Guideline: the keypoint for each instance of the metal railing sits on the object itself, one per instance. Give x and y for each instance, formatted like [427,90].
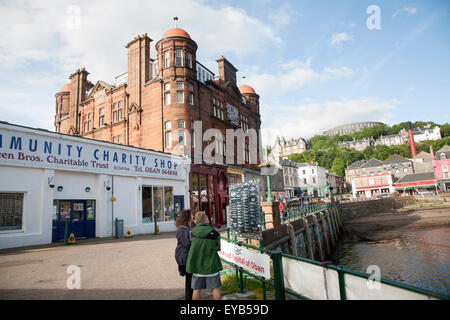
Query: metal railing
[293,212]
[277,279]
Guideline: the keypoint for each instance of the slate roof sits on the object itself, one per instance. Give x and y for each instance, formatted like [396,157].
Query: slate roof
[444,149]
[416,177]
[372,163]
[356,164]
[395,159]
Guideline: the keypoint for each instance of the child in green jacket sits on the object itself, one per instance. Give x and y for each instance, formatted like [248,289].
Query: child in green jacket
[203,260]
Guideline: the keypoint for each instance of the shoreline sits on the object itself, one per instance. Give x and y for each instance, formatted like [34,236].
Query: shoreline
[391,225]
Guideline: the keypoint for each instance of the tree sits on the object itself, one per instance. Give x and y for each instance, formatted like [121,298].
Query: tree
[445,130]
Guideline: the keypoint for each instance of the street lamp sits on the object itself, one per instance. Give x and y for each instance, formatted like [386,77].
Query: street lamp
[267,164]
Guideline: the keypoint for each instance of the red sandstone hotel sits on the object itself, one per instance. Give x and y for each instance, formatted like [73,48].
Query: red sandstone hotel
[148,105]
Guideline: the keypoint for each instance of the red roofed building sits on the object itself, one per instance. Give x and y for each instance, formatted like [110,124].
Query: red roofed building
[155,105]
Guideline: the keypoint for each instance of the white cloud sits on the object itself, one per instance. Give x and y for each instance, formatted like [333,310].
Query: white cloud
[314,117]
[282,16]
[293,75]
[337,39]
[409,10]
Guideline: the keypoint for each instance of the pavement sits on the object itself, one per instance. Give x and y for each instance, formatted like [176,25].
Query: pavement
[142,267]
[139,268]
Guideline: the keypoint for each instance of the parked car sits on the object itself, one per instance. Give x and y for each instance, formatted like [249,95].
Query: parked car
[383,196]
[427,193]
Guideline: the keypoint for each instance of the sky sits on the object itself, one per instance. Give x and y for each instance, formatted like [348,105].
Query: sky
[315,64]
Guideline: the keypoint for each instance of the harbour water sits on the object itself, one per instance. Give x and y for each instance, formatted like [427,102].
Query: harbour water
[419,258]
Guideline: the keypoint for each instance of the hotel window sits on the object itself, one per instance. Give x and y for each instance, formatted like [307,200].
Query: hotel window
[101,117]
[11,211]
[168,139]
[179,57]
[220,115]
[181,124]
[181,137]
[117,111]
[167,98]
[180,96]
[180,85]
[167,86]
[117,139]
[166,59]
[168,125]
[87,122]
[189,59]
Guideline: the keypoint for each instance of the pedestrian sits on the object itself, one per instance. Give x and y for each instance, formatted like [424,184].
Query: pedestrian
[183,224]
[203,260]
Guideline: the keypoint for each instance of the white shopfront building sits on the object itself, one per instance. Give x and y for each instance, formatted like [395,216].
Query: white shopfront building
[48,178]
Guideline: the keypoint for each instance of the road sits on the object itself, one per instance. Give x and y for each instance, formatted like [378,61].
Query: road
[139,268]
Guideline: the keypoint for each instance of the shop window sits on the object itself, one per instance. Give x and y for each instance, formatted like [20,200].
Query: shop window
[11,211]
[169,213]
[147,205]
[158,203]
[154,201]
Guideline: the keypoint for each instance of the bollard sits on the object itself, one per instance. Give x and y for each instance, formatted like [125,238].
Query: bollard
[116,229]
[66,232]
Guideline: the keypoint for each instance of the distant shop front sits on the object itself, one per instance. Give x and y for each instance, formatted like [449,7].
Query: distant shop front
[49,180]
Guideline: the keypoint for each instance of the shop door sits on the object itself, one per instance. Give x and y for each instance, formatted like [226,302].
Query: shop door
[179,204]
[80,214]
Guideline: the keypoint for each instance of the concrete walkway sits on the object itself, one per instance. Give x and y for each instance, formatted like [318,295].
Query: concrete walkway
[142,267]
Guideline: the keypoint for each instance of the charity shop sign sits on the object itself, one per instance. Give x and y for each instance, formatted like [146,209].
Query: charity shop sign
[252,261]
[41,149]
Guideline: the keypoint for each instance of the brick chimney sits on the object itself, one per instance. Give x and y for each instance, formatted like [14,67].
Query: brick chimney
[138,66]
[227,72]
[79,85]
[412,143]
